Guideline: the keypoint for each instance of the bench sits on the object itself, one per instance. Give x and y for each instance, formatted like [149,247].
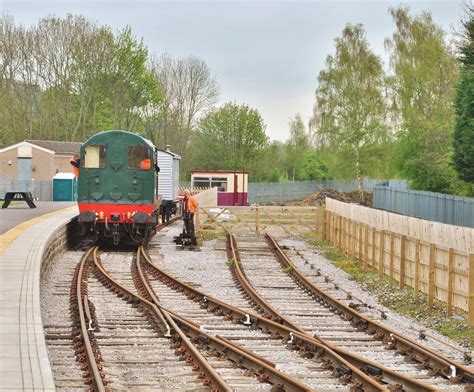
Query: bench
[15,196]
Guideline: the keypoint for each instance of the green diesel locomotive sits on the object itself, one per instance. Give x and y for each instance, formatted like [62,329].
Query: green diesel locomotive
[117,186]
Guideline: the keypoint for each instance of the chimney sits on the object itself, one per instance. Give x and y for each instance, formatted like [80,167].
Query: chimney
[168,148]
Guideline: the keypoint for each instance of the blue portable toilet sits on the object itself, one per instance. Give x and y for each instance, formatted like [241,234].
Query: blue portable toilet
[64,187]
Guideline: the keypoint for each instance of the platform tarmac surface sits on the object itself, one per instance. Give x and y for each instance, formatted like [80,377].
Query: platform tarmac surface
[24,362]
[19,213]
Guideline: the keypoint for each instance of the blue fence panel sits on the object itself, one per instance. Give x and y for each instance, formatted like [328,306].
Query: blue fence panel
[277,192]
[437,207]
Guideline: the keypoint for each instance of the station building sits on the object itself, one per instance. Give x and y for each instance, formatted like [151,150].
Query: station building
[31,166]
[38,160]
[232,186]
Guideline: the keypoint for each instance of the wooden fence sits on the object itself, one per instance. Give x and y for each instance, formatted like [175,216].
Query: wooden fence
[287,220]
[444,273]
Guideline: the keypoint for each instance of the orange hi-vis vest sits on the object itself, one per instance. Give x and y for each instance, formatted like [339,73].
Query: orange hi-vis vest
[190,204]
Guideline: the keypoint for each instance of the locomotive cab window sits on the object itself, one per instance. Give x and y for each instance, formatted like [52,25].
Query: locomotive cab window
[139,157]
[94,157]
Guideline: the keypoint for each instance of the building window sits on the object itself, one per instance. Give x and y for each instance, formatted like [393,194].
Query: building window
[219,182]
[139,157]
[201,182]
[94,156]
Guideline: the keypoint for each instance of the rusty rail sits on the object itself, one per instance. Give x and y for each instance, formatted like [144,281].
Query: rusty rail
[436,361]
[211,378]
[94,374]
[260,366]
[296,337]
[367,366]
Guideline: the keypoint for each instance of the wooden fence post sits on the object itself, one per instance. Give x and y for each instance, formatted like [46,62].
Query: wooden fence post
[450,281]
[360,241]
[257,220]
[470,299]
[354,239]
[392,252]
[334,228]
[328,225]
[431,275]
[343,233]
[402,260]
[373,248]
[381,253]
[350,225]
[417,267]
[325,224]
[197,224]
[339,235]
[366,247]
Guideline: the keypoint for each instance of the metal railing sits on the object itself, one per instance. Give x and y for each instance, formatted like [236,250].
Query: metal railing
[438,207]
[277,192]
[41,190]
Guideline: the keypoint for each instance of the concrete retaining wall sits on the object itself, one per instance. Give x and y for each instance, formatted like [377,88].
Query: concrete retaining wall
[58,243]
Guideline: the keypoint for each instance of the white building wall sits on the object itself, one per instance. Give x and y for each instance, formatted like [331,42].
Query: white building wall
[168,177]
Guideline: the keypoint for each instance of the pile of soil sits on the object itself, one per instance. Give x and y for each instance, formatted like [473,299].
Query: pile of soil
[319,198]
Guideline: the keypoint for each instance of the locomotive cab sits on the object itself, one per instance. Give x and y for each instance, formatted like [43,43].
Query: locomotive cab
[117,186]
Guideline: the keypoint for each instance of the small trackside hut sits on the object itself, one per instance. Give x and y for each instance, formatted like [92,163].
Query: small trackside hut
[168,183]
[232,185]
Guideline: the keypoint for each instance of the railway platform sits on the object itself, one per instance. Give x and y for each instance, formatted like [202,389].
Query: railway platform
[18,213]
[24,363]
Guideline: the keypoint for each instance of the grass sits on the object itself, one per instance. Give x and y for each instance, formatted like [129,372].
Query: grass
[209,235]
[287,269]
[15,203]
[231,262]
[404,301]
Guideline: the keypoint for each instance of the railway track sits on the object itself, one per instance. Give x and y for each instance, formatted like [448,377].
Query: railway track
[338,285]
[334,323]
[136,327]
[123,341]
[121,338]
[417,375]
[305,345]
[123,269]
[329,372]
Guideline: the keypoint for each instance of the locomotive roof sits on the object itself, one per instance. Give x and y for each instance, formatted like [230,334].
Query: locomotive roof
[103,134]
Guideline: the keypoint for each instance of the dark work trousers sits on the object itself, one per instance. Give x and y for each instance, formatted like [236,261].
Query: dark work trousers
[189,222]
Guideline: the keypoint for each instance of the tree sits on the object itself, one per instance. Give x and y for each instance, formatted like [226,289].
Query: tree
[189,92]
[132,86]
[463,142]
[67,78]
[232,138]
[350,106]
[296,147]
[313,166]
[425,73]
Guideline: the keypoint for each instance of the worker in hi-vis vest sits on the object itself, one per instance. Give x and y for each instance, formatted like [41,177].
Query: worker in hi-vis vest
[76,164]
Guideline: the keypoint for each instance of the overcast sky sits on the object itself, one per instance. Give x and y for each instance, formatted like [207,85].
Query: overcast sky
[266,54]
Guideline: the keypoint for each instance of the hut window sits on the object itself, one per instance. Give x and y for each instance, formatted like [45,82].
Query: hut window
[94,156]
[139,157]
[201,182]
[219,182]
